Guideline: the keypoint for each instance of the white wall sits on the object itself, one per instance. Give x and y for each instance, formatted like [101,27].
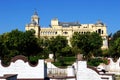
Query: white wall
[69,71]
[112,67]
[81,70]
[84,73]
[23,69]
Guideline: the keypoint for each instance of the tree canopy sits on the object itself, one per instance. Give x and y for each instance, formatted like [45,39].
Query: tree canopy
[88,43]
[18,43]
[114,45]
[57,44]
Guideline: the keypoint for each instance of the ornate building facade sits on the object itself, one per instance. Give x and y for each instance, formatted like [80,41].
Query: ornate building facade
[67,29]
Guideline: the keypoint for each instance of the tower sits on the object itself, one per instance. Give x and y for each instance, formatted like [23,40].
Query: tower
[35,18]
[34,24]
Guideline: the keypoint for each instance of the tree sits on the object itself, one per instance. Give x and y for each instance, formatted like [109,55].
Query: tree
[75,50]
[66,51]
[96,44]
[44,44]
[115,49]
[114,45]
[117,44]
[88,43]
[115,35]
[3,49]
[57,44]
[29,43]
[18,43]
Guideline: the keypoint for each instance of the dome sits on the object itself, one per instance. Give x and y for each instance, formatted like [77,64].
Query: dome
[35,14]
[99,22]
[33,22]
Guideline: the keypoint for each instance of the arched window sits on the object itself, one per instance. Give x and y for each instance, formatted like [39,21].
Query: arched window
[102,32]
[99,31]
[96,31]
[55,32]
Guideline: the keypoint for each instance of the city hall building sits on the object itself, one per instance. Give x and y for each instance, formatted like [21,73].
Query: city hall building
[67,29]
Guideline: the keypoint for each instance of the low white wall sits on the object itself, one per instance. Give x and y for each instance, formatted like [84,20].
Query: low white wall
[108,76]
[81,71]
[69,71]
[84,73]
[24,70]
[8,77]
[112,67]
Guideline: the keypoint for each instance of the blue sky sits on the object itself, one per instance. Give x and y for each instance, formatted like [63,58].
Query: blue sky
[15,14]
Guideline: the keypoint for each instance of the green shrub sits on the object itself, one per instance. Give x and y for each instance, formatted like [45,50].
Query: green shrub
[64,61]
[33,59]
[96,61]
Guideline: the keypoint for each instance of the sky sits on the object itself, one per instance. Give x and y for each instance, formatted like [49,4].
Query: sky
[15,14]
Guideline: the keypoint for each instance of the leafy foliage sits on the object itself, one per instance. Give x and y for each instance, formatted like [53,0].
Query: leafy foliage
[18,43]
[65,61]
[114,45]
[96,61]
[57,44]
[87,43]
[116,35]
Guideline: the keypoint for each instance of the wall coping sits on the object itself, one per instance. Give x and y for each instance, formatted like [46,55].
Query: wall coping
[19,57]
[8,76]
